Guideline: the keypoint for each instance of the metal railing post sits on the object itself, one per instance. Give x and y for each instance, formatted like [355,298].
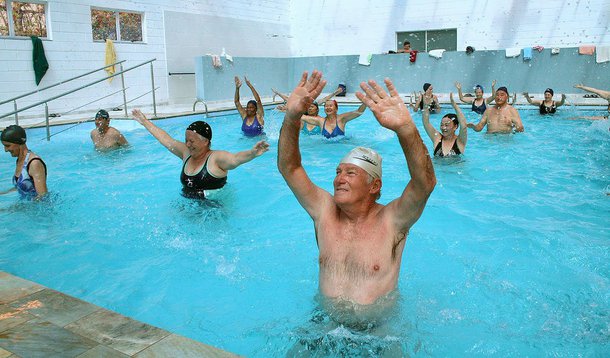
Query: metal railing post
[152,80]
[16,114]
[46,114]
[124,95]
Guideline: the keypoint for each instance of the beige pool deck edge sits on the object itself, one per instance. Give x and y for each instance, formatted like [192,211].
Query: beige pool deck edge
[36,321]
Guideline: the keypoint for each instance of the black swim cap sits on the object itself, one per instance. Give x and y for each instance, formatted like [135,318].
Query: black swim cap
[13,134]
[201,128]
[253,102]
[549,90]
[102,114]
[426,86]
[503,89]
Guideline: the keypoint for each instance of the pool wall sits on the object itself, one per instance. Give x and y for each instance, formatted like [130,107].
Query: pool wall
[560,72]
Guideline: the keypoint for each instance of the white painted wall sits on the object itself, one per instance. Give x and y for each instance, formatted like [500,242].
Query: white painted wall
[276,28]
[323,27]
[70,50]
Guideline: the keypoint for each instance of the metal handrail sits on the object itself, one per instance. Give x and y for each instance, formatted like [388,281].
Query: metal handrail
[74,90]
[59,83]
[205,105]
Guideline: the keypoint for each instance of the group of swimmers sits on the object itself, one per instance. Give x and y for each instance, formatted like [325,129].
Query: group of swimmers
[205,169]
[360,241]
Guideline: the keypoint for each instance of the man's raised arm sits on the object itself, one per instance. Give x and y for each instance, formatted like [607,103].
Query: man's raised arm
[391,112]
[289,156]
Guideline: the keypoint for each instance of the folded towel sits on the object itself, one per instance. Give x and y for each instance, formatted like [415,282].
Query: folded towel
[216,61]
[40,60]
[602,54]
[365,59]
[555,51]
[527,53]
[110,58]
[513,52]
[586,50]
[413,56]
[436,53]
[538,48]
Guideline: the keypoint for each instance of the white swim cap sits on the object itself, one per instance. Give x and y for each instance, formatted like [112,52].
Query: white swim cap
[366,159]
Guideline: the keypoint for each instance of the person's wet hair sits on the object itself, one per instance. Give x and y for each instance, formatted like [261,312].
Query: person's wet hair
[453,118]
[253,102]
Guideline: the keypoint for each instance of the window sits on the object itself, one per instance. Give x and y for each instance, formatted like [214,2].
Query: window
[27,18]
[429,39]
[116,25]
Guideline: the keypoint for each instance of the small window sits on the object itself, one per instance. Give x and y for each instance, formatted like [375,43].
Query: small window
[27,18]
[429,39]
[3,18]
[116,25]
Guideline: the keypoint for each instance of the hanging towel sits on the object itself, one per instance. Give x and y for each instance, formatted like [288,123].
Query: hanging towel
[110,59]
[555,51]
[40,60]
[365,59]
[602,54]
[413,56]
[586,50]
[216,61]
[229,58]
[513,52]
[436,53]
[538,48]
[527,53]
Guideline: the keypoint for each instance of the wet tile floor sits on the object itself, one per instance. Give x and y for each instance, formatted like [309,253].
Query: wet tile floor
[36,321]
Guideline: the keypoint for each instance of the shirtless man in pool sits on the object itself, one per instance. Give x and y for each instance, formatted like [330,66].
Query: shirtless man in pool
[501,118]
[360,241]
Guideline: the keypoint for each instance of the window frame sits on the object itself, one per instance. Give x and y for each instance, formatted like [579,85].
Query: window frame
[425,33]
[11,24]
[118,24]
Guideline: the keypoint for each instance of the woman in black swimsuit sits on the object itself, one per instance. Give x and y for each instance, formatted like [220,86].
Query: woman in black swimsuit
[202,168]
[547,106]
[445,142]
[434,105]
[478,102]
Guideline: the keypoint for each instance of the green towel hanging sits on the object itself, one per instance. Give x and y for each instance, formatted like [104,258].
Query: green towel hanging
[40,60]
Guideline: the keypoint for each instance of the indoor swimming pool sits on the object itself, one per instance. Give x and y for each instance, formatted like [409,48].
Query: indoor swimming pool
[511,256]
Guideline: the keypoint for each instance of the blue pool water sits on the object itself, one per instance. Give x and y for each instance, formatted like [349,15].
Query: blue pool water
[511,256]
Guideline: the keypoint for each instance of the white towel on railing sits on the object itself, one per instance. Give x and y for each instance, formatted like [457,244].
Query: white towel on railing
[555,51]
[365,59]
[513,52]
[602,54]
[216,61]
[437,53]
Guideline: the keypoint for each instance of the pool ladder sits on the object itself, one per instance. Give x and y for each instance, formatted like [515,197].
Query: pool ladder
[204,104]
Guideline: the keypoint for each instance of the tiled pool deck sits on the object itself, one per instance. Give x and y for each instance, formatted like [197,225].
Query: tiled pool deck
[36,321]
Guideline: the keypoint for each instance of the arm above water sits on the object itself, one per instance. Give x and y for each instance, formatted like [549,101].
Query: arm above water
[463,133]
[311,197]
[228,161]
[391,113]
[482,123]
[493,92]
[260,110]
[462,98]
[601,93]
[516,120]
[529,100]
[177,148]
